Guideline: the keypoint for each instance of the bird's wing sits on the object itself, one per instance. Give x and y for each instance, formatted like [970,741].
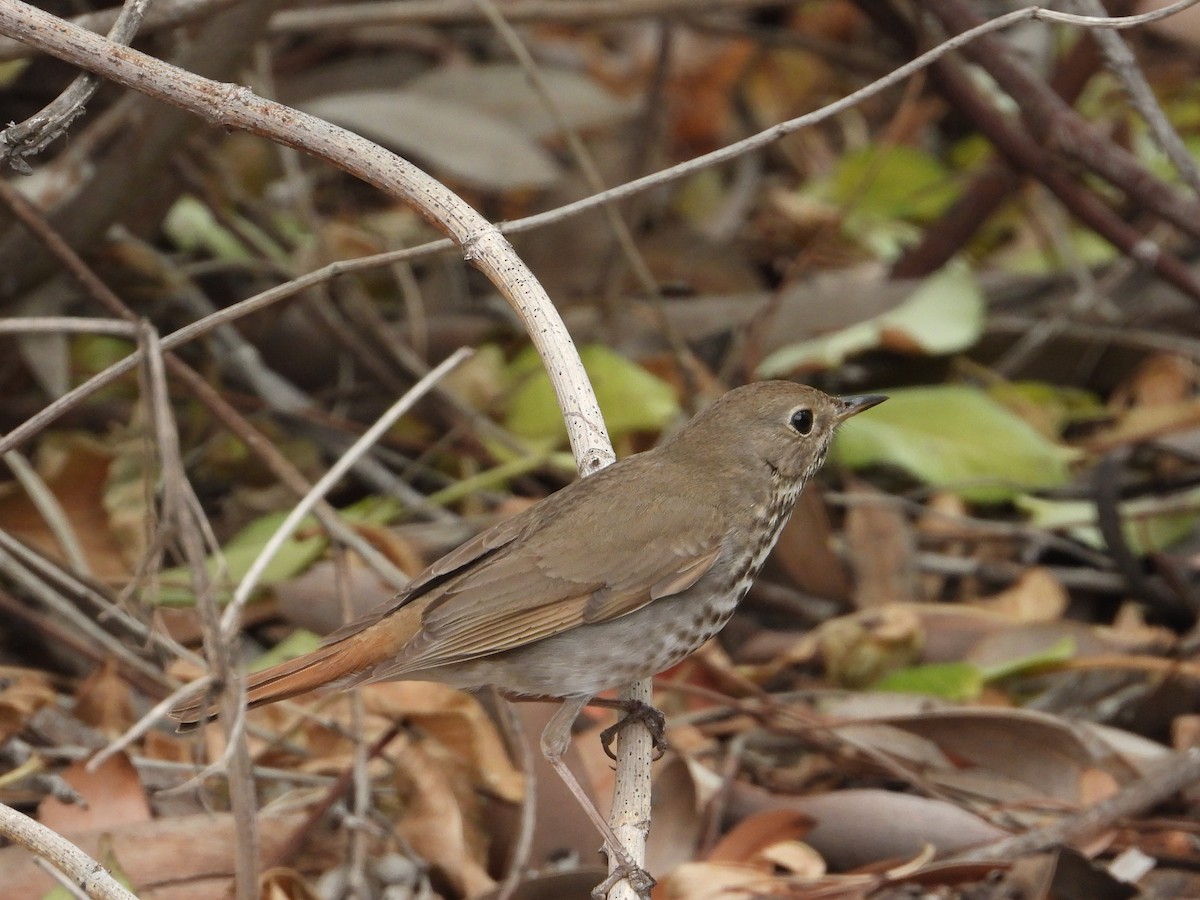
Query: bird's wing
[458,560]
[533,589]
[507,602]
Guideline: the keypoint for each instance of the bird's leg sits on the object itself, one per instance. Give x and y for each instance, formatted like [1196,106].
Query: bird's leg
[635,711]
[556,737]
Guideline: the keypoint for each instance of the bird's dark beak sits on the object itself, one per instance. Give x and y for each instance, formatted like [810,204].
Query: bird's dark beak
[852,406]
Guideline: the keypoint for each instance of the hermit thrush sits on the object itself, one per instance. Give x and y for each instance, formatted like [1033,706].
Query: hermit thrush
[612,579]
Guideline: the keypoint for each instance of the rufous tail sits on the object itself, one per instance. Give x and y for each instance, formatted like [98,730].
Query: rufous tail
[324,667]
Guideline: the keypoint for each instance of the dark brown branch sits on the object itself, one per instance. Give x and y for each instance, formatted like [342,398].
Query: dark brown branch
[1027,154]
[1053,123]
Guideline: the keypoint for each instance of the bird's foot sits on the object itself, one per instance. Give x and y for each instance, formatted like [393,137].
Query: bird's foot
[637,711]
[639,879]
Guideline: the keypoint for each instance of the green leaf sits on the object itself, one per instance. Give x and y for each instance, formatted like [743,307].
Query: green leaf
[955,437]
[296,555]
[1058,405]
[306,545]
[952,680]
[944,314]
[1148,524]
[192,227]
[1088,249]
[1060,651]
[896,182]
[295,644]
[631,399]
[92,353]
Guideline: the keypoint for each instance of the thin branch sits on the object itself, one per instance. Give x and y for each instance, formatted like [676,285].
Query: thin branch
[235,107]
[249,582]
[751,144]
[1123,65]
[162,14]
[1170,775]
[41,129]
[84,872]
[181,511]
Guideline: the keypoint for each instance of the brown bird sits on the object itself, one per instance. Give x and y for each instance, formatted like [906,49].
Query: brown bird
[612,579]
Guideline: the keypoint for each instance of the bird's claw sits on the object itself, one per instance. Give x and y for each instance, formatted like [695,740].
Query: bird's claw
[639,879]
[650,716]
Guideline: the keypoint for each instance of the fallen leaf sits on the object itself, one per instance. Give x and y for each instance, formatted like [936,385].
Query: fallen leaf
[753,834]
[114,794]
[944,314]
[104,700]
[955,437]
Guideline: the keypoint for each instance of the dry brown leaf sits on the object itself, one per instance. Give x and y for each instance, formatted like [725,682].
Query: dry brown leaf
[682,788]
[797,857]
[1037,596]
[744,843]
[882,549]
[1007,754]
[457,721]
[104,701]
[157,745]
[1022,642]
[561,828]
[942,524]
[1096,785]
[953,630]
[401,551]
[1130,630]
[311,600]
[1160,380]
[1185,732]
[1144,423]
[858,827]
[553,885]
[716,881]
[805,550]
[441,819]
[22,693]
[76,471]
[163,858]
[114,794]
[284,884]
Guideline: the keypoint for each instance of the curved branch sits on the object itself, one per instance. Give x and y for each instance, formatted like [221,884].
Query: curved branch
[84,872]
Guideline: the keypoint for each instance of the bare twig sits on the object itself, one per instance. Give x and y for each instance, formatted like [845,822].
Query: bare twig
[341,784]
[74,265]
[523,844]
[38,131]
[630,816]
[1123,65]
[481,243]
[583,157]
[249,582]
[1171,775]
[50,509]
[233,106]
[1054,122]
[181,511]
[162,14]
[755,142]
[84,872]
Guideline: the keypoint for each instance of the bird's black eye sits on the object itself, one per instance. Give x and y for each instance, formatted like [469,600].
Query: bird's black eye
[802,421]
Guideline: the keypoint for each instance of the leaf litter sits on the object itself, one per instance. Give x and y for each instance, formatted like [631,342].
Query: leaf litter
[980,624]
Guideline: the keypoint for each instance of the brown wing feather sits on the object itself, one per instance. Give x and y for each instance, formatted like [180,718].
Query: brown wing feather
[488,541]
[527,579]
[500,591]
[511,599]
